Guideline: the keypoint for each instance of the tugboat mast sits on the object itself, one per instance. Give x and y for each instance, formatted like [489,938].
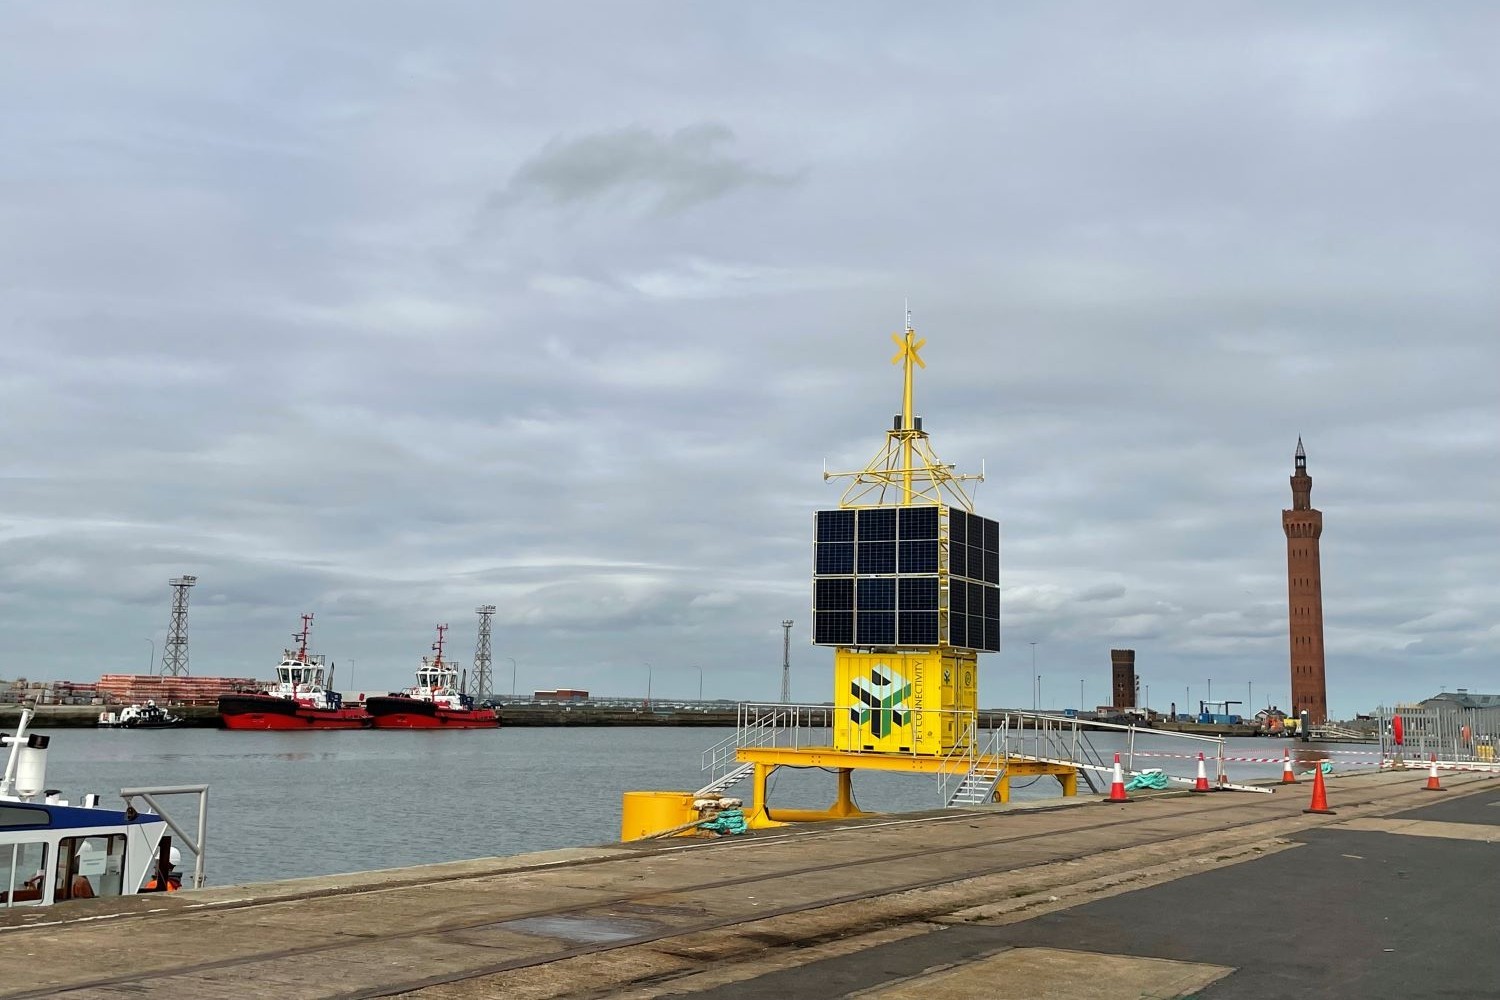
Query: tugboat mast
[301,638]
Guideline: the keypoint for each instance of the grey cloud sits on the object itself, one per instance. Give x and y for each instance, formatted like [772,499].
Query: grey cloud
[248,330]
[666,173]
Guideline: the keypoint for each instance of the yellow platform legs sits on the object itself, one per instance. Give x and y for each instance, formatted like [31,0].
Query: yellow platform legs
[760,816]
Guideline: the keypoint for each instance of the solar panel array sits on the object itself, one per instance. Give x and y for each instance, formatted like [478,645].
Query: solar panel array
[973,581]
[876,574]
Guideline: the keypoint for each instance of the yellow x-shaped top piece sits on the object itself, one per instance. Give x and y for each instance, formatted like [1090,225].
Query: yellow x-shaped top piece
[907,348]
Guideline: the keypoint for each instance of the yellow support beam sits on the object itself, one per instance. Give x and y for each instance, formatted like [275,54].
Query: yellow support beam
[830,757]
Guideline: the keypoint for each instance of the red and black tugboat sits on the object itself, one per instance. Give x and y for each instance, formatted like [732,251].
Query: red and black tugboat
[435,702]
[299,699]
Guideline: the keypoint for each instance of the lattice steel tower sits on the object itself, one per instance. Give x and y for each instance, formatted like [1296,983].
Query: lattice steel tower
[174,655]
[786,661]
[482,654]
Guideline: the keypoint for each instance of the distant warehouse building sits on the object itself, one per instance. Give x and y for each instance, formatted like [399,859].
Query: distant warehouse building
[1461,698]
[561,694]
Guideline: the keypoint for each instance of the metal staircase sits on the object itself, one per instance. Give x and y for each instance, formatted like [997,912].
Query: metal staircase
[721,761]
[978,785]
[725,781]
[985,770]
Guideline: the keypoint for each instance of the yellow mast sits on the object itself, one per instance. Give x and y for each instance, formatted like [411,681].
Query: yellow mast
[907,463]
[907,346]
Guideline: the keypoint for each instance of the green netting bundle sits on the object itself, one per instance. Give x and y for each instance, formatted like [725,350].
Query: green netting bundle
[1151,778]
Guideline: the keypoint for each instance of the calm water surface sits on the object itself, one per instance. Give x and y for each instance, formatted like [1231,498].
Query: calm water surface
[283,805]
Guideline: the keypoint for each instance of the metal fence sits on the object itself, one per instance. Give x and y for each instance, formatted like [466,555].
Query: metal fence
[1455,736]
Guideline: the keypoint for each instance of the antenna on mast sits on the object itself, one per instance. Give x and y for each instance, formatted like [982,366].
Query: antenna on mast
[301,638]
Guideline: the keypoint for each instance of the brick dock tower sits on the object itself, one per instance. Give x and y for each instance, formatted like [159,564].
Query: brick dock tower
[1303,526]
[1122,678]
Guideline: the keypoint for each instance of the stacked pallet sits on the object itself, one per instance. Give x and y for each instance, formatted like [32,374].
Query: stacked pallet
[136,688]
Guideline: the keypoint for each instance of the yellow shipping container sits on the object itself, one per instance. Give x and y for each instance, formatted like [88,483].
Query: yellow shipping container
[903,702]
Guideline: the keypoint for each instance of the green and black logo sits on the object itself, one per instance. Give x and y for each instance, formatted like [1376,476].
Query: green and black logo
[882,701]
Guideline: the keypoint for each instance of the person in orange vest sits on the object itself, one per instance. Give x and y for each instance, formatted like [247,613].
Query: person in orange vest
[173,880]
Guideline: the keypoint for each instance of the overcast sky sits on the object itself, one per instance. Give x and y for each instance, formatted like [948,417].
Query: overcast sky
[384,311]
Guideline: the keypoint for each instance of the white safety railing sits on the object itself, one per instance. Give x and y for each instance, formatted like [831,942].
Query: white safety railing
[1032,735]
[1066,740]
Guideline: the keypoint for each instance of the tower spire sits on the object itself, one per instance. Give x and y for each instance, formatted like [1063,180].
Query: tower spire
[1301,481]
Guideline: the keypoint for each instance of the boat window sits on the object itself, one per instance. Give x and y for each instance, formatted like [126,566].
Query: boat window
[90,866]
[23,816]
[24,868]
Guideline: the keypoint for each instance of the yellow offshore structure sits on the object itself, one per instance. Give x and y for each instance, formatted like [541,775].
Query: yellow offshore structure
[896,706]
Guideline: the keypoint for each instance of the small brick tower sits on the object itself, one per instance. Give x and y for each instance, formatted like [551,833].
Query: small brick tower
[1122,677]
[1304,526]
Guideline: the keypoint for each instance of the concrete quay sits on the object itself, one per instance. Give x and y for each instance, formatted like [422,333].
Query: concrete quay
[1213,896]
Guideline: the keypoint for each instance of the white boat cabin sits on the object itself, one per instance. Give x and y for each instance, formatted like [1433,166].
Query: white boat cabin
[437,682]
[303,678]
[53,851]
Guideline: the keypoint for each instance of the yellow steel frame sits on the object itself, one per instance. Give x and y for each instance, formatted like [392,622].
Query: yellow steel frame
[760,815]
[906,465]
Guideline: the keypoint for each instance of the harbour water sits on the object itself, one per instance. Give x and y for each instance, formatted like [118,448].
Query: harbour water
[283,805]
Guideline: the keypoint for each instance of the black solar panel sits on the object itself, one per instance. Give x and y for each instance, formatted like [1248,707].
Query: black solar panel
[918,628]
[991,535]
[835,526]
[918,522]
[875,628]
[877,524]
[834,559]
[876,595]
[991,567]
[833,628]
[958,527]
[919,593]
[876,557]
[920,556]
[833,594]
[958,559]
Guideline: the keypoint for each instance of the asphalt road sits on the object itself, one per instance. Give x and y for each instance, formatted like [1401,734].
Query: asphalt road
[1348,914]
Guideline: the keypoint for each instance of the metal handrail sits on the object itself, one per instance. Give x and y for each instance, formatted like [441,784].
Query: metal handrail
[196,844]
[1049,729]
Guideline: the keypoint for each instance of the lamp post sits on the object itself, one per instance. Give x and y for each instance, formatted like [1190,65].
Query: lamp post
[1035,682]
[512,660]
[700,681]
[1080,694]
[648,685]
[151,663]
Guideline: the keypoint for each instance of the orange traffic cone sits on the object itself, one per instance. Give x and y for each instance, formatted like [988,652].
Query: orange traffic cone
[1320,794]
[1287,777]
[1117,787]
[1201,785]
[1432,778]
